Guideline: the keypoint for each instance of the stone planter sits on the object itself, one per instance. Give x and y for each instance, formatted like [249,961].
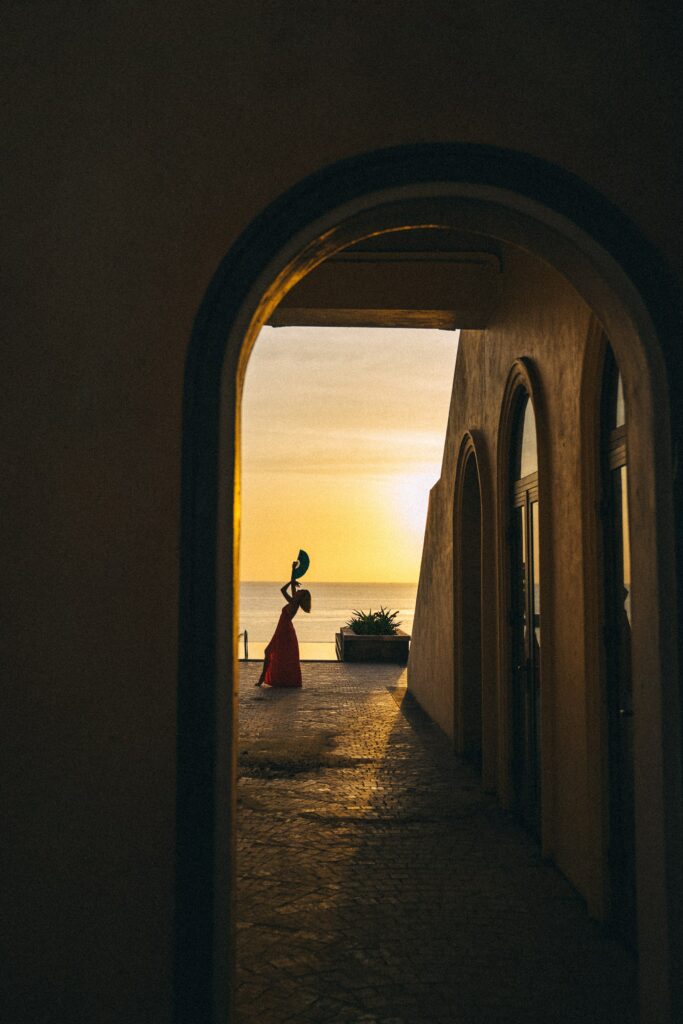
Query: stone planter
[354,647]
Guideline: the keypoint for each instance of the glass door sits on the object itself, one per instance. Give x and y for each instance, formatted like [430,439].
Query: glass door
[619,692]
[526,622]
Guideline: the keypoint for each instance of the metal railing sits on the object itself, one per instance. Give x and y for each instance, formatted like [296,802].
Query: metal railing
[309,650]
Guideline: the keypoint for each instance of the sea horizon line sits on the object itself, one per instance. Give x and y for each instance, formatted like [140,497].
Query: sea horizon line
[350,583]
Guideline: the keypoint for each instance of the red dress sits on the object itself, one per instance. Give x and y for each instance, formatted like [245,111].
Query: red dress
[282,652]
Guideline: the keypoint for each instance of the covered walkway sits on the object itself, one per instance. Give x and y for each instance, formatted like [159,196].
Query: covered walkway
[377,884]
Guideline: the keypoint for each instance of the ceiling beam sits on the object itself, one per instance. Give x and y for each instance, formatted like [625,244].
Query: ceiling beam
[396,289]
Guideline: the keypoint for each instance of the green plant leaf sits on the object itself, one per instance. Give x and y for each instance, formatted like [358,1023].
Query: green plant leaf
[381,623]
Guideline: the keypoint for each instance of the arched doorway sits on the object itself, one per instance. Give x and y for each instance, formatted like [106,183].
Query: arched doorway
[617,640]
[525,613]
[475,188]
[468,612]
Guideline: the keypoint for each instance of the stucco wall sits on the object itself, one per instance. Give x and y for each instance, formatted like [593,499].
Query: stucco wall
[139,139]
[542,319]
[430,666]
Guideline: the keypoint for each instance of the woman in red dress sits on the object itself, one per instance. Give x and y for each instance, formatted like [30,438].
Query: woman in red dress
[281,665]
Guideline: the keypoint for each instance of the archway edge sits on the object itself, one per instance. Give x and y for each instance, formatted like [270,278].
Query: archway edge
[545,191]
[472,451]
[523,381]
[516,197]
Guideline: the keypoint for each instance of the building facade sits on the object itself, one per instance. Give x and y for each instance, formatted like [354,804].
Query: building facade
[522,641]
[172,175]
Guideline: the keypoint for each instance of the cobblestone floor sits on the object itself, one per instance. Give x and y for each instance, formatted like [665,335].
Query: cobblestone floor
[378,885]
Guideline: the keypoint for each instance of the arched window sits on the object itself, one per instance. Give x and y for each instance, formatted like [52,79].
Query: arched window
[525,619]
[617,640]
[468,703]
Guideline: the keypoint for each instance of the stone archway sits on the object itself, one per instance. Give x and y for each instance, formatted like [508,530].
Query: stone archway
[467,596]
[470,603]
[532,205]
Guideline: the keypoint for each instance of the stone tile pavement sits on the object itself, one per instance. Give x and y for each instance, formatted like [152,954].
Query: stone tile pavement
[378,885]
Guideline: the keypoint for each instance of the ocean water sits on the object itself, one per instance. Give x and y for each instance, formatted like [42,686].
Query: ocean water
[332,606]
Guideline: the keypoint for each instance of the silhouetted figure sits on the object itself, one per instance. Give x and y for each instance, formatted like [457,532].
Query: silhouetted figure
[281,666]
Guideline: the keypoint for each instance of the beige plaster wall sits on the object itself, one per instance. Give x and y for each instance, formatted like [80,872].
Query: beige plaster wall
[430,664]
[139,139]
[540,318]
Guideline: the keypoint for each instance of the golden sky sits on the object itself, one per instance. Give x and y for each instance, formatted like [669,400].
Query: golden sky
[342,437]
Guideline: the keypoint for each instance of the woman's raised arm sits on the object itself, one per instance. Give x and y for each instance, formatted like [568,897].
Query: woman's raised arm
[293,584]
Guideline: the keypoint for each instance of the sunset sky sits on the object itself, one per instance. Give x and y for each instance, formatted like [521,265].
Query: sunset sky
[343,433]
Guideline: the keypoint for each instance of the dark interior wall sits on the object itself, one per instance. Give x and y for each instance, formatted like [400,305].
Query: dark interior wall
[139,139]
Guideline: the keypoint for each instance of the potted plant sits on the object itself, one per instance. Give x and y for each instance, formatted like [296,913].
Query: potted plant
[373,636]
